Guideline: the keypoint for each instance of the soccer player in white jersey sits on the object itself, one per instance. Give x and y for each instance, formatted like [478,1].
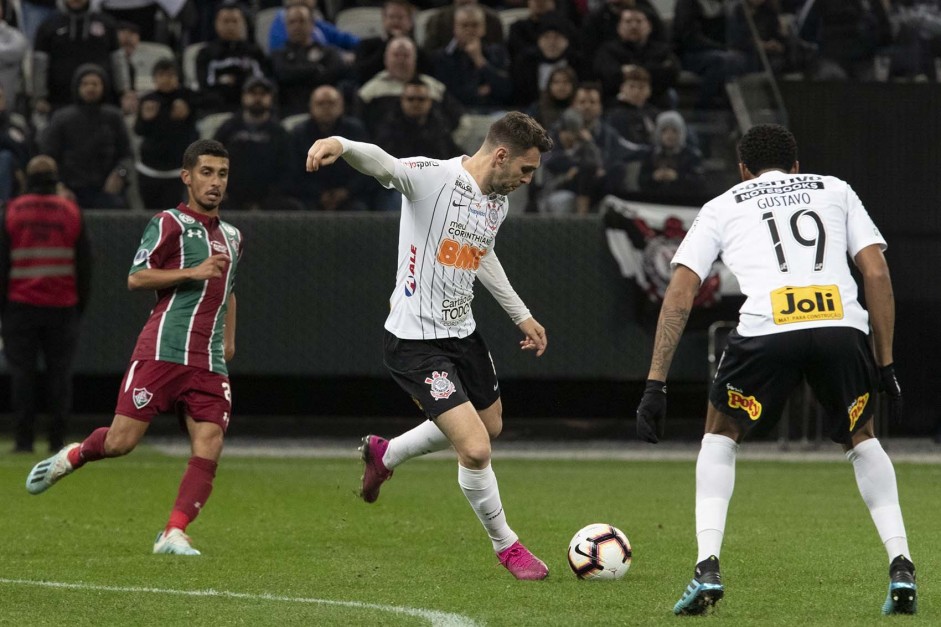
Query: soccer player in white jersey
[785,236]
[451,211]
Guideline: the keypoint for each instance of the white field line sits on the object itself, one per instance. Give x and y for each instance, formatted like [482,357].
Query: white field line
[434,617]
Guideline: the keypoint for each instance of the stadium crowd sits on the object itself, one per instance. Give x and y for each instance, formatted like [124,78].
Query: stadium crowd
[114,90]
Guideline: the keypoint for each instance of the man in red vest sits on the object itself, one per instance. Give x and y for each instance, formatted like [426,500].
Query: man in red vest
[45,273]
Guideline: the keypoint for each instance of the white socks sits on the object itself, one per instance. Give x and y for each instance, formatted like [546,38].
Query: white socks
[480,488]
[423,439]
[715,480]
[875,477]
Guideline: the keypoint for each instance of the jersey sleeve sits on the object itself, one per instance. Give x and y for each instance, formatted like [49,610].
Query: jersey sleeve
[861,231]
[702,244]
[159,243]
[418,177]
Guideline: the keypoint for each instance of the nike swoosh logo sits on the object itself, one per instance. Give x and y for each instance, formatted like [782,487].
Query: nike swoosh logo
[578,549]
[495,387]
[457,204]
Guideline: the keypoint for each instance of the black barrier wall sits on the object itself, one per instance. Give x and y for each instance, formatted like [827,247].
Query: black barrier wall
[313,292]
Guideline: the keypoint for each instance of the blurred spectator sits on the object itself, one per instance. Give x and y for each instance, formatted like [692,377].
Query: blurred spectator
[34,13]
[303,64]
[142,13]
[848,33]
[166,125]
[14,152]
[323,32]
[439,30]
[90,143]
[601,24]
[523,33]
[473,71]
[556,97]
[258,149]
[13,45]
[674,168]
[631,114]
[766,15]
[223,65]
[572,169]
[615,150]
[699,31]
[417,127]
[398,20]
[917,24]
[45,276]
[633,46]
[339,187]
[531,68]
[129,40]
[380,95]
[65,41]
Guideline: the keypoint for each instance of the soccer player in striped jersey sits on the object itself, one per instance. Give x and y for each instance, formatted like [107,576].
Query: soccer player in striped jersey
[189,257]
[451,212]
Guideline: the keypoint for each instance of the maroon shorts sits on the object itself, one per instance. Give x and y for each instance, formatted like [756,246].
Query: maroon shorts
[154,387]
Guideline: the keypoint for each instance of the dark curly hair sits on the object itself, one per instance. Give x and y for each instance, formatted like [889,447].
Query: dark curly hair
[202,147]
[767,147]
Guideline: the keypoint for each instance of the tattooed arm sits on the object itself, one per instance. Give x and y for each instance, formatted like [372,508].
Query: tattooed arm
[674,313]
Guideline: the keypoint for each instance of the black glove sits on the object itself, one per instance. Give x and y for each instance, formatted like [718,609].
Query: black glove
[651,411]
[890,386]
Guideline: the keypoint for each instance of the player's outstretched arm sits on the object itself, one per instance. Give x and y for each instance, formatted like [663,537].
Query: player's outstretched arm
[536,339]
[323,152]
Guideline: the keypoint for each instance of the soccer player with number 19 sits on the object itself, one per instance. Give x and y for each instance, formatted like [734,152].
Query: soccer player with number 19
[451,211]
[188,256]
[786,236]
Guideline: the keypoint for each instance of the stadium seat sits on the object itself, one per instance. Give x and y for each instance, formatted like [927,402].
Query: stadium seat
[421,25]
[263,21]
[509,16]
[189,64]
[293,120]
[361,21]
[665,8]
[143,60]
[472,129]
[208,125]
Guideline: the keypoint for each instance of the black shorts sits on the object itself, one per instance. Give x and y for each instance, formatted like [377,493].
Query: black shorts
[756,375]
[441,374]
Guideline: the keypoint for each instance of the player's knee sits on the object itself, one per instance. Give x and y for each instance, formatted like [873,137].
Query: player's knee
[475,456]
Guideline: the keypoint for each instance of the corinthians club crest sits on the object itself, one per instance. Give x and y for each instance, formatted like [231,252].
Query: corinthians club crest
[441,386]
[141,397]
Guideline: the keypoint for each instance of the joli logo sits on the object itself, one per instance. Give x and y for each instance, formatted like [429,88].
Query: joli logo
[856,409]
[805,304]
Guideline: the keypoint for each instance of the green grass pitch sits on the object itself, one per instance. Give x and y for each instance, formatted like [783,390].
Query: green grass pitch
[287,542]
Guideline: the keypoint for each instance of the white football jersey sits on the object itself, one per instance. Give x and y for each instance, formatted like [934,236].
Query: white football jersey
[447,226]
[785,237]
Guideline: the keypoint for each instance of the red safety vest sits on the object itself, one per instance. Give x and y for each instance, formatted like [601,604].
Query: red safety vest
[42,231]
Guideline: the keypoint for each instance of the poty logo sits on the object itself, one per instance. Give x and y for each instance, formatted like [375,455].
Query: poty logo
[441,386]
[410,284]
[750,404]
[141,397]
[219,247]
[856,409]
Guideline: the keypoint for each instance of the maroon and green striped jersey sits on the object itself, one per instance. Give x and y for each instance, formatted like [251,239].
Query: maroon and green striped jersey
[185,326]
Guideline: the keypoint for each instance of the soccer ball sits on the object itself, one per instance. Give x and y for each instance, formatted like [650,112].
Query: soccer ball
[600,551]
